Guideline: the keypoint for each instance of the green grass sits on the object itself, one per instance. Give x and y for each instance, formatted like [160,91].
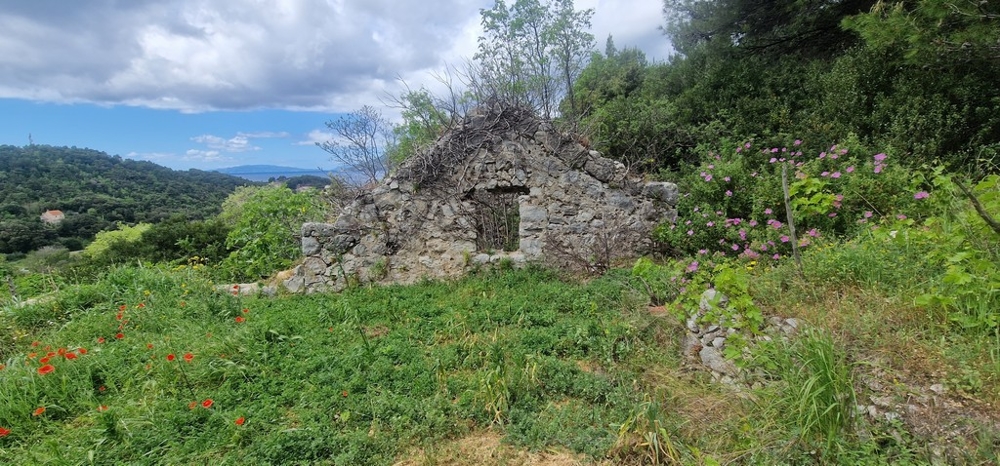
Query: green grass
[378,375]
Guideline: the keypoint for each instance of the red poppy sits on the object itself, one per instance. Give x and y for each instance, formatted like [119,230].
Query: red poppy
[141,305]
[5,432]
[119,335]
[35,343]
[236,287]
[61,352]
[102,408]
[3,366]
[245,310]
[32,355]
[343,393]
[188,357]
[102,388]
[70,355]
[207,403]
[183,304]
[149,346]
[46,369]
[82,350]
[192,404]
[44,360]
[239,421]
[170,357]
[50,354]
[122,307]
[100,339]
[239,319]
[119,316]
[39,411]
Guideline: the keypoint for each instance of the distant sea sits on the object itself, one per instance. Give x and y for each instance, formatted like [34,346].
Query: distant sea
[267,172]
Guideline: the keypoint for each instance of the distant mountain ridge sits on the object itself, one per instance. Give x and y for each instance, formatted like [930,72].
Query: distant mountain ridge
[266,172]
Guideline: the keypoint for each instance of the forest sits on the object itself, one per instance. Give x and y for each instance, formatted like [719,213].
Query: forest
[95,191]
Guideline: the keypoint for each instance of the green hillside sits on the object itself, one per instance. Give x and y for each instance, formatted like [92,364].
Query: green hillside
[94,190]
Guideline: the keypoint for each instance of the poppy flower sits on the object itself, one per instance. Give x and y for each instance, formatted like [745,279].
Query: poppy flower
[102,408]
[149,346]
[46,369]
[100,339]
[188,357]
[119,335]
[245,310]
[32,355]
[61,352]
[141,305]
[82,350]
[5,432]
[119,316]
[207,403]
[70,355]
[44,360]
[50,354]
[343,393]
[35,343]
[3,366]
[239,421]
[122,307]
[183,304]
[170,357]
[192,404]
[239,319]
[102,388]
[39,411]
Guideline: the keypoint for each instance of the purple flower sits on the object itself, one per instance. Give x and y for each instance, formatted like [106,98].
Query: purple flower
[832,214]
[901,217]
[921,195]
[710,224]
[774,150]
[736,247]
[702,252]
[708,177]
[850,169]
[772,160]
[776,257]
[868,214]
[752,223]
[879,157]
[711,167]
[835,175]
[692,267]
[824,174]
[729,193]
[878,168]
[814,233]
[797,142]
[784,238]
[767,211]
[690,232]
[727,179]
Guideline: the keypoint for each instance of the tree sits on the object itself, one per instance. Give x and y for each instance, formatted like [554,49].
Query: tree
[526,49]
[265,235]
[364,140]
[571,45]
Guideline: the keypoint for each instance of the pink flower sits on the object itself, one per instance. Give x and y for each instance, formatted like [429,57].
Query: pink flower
[736,247]
[814,233]
[824,174]
[690,232]
[710,224]
[767,211]
[772,160]
[729,193]
[850,169]
[835,175]
[868,214]
[879,157]
[784,238]
[752,223]
[692,267]
[798,142]
[901,217]
[921,195]
[708,177]
[878,168]
[727,179]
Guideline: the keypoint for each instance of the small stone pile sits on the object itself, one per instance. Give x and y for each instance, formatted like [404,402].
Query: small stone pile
[706,342]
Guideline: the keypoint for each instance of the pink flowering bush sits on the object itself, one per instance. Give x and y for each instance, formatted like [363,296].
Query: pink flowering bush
[732,203]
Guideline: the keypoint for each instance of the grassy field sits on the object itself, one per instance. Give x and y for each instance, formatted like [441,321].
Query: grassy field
[153,366]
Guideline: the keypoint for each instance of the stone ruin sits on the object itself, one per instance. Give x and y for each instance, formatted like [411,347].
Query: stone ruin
[500,186]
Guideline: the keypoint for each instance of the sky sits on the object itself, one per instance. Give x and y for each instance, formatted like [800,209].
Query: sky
[209,84]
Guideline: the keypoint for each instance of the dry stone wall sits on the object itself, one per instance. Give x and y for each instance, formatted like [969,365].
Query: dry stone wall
[501,185]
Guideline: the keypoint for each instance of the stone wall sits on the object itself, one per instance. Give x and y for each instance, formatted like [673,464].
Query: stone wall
[499,186]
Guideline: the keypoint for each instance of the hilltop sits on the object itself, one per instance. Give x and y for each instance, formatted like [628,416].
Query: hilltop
[94,190]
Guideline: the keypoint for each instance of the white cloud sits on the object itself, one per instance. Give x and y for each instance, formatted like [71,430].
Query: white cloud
[200,55]
[208,156]
[314,137]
